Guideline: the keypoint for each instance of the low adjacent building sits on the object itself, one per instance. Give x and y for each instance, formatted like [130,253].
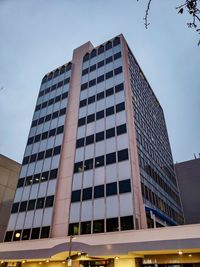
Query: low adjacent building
[188,176]
[9,172]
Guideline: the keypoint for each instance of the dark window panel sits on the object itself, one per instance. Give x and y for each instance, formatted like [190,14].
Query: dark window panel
[90,118]
[108,45]
[93,67]
[116,41]
[93,53]
[85,228]
[26,234]
[58,98]
[117,70]
[126,223]
[84,86]
[64,95]
[98,226]
[29,180]
[15,207]
[36,178]
[90,139]
[40,155]
[111,189]
[37,138]
[91,99]
[48,117]
[53,87]
[35,234]
[100,95]
[25,160]
[48,153]
[30,141]
[100,64]
[92,82]
[44,176]
[117,55]
[38,107]
[122,155]
[53,174]
[73,229]
[41,120]
[124,186]
[83,103]
[100,115]
[78,167]
[49,201]
[34,123]
[55,114]
[110,132]
[99,161]
[121,129]
[100,78]
[21,182]
[45,232]
[17,235]
[99,191]
[62,111]
[33,158]
[60,130]
[57,150]
[85,71]
[31,204]
[99,136]
[44,104]
[109,111]
[40,203]
[51,101]
[109,74]
[112,225]
[120,107]
[111,158]
[81,121]
[109,91]
[8,236]
[52,132]
[88,164]
[109,59]
[67,80]
[80,142]
[100,49]
[87,193]
[76,196]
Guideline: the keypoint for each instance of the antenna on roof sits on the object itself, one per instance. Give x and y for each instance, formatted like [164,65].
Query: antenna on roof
[195,156]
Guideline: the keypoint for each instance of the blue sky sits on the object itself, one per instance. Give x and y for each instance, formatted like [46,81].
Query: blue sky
[37,36]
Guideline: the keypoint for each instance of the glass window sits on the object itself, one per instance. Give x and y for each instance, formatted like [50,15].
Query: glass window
[121,129]
[99,136]
[87,193]
[76,196]
[124,186]
[73,229]
[98,226]
[23,206]
[31,204]
[126,223]
[100,115]
[120,107]
[122,155]
[111,189]
[85,228]
[49,201]
[45,232]
[90,139]
[35,233]
[110,132]
[99,161]
[88,164]
[99,191]
[109,111]
[26,234]
[8,236]
[111,158]
[53,174]
[15,208]
[17,235]
[40,203]
[112,225]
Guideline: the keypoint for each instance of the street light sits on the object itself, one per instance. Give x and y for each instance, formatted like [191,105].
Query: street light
[69,260]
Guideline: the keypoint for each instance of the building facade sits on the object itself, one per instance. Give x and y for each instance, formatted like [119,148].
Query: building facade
[98,158]
[9,172]
[188,176]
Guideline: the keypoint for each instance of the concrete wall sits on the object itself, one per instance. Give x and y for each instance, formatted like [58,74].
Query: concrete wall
[9,171]
[188,176]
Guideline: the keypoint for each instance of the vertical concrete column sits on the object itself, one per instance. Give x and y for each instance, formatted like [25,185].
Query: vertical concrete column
[136,182]
[65,173]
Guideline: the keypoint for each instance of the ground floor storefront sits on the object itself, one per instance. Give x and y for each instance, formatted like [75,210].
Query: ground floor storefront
[177,246]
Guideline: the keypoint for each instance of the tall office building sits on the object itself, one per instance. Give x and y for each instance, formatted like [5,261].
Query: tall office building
[98,157]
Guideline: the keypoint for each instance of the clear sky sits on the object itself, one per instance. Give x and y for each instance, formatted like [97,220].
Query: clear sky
[37,36]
